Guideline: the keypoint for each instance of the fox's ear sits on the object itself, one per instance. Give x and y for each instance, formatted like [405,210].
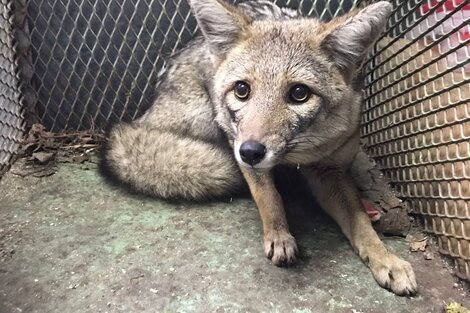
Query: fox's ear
[221,23]
[349,41]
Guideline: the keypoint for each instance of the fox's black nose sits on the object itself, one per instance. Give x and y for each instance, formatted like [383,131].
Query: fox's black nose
[252,152]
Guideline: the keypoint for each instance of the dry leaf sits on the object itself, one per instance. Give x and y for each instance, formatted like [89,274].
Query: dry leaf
[80,158]
[419,245]
[455,307]
[43,157]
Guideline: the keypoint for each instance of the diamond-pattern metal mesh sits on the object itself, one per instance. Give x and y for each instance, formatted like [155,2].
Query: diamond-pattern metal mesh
[97,61]
[11,116]
[416,117]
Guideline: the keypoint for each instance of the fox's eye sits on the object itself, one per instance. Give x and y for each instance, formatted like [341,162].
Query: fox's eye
[299,93]
[242,90]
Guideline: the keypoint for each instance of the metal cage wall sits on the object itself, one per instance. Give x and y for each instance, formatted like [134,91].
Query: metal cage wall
[97,61]
[93,62]
[11,110]
[416,117]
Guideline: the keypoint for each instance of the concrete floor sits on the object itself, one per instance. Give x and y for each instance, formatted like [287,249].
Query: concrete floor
[72,243]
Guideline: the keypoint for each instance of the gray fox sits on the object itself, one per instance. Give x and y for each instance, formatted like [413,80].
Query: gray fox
[262,86]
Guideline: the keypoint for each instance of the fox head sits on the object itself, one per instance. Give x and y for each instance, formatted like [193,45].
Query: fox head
[285,89]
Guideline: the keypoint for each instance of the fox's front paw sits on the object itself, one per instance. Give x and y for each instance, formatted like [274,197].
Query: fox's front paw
[280,247]
[395,274]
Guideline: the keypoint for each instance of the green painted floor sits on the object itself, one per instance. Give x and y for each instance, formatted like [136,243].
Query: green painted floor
[70,242]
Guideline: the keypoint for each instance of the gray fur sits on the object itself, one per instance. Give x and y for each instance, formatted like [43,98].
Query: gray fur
[263,9]
[187,144]
[349,43]
[142,155]
[218,23]
[222,24]
[190,106]
[160,158]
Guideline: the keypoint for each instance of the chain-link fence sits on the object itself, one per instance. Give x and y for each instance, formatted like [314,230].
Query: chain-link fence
[416,118]
[11,111]
[97,61]
[80,65]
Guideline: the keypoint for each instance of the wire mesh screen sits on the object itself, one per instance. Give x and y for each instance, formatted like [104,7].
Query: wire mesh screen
[97,61]
[11,116]
[416,117]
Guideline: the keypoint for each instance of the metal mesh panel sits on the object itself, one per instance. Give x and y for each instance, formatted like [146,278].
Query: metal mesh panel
[416,117]
[11,117]
[97,61]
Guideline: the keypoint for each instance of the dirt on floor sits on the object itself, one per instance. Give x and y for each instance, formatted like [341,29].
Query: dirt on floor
[70,242]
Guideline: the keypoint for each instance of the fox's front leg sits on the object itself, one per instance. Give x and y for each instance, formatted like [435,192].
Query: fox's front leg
[337,195]
[279,245]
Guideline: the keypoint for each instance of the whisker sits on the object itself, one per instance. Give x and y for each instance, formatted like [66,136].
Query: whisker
[309,136]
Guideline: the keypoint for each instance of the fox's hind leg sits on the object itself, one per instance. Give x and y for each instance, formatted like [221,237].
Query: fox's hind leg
[170,166]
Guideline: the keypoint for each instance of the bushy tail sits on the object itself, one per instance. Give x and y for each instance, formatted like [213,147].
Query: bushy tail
[169,166]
